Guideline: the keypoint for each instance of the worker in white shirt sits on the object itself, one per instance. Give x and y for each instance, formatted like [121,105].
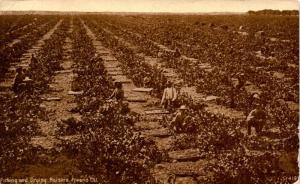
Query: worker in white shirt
[169,96]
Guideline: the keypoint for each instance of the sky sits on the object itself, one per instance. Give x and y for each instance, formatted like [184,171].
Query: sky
[148,5]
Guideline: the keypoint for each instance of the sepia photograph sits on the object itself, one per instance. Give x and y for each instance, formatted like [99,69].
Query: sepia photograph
[149,91]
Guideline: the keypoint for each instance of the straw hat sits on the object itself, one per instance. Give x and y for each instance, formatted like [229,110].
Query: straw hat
[256,96]
[183,107]
[27,79]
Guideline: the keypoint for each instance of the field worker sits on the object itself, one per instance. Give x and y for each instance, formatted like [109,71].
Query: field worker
[147,80]
[34,63]
[75,86]
[237,86]
[179,121]
[169,96]
[241,81]
[253,100]
[94,58]
[257,119]
[160,54]
[177,53]
[118,93]
[33,58]
[19,80]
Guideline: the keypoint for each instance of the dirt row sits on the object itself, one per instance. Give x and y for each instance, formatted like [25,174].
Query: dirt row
[19,39]
[186,165]
[57,102]
[191,90]
[25,60]
[173,76]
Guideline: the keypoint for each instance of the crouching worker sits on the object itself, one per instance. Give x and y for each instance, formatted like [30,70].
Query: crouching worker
[257,118]
[179,122]
[118,93]
[19,82]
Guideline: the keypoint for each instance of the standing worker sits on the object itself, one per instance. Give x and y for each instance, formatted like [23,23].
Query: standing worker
[177,53]
[169,96]
[236,88]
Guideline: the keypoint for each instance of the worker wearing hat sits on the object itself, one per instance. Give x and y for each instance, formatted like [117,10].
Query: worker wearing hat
[255,100]
[257,118]
[179,121]
[169,96]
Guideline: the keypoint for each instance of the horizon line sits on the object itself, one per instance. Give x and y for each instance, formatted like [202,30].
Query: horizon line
[171,12]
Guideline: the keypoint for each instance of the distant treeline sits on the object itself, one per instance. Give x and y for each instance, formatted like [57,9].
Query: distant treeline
[274,12]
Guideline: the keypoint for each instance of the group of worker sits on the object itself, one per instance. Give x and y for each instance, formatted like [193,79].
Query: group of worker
[256,118]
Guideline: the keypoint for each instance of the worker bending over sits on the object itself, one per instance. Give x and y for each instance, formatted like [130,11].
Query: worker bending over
[257,118]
